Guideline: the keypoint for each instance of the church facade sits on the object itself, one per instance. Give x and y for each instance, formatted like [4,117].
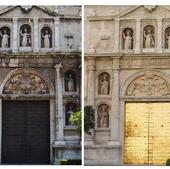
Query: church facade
[127,81]
[40,83]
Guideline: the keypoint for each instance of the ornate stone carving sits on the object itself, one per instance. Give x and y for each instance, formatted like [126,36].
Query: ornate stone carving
[103,116]
[25,83]
[5,37]
[149,39]
[127,39]
[70,81]
[148,85]
[150,8]
[69,39]
[46,37]
[104,84]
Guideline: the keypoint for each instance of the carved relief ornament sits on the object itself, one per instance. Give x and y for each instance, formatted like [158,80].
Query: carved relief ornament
[25,83]
[148,85]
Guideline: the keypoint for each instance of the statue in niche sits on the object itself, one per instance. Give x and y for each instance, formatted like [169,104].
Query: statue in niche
[70,82]
[69,114]
[149,41]
[103,116]
[128,39]
[5,39]
[46,38]
[104,84]
[25,38]
[167,38]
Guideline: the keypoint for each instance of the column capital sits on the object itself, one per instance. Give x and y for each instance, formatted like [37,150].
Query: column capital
[58,66]
[15,19]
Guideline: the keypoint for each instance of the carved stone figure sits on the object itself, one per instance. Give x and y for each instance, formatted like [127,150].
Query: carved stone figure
[69,114]
[168,41]
[70,82]
[69,40]
[46,38]
[25,83]
[104,84]
[149,41]
[128,39]
[4,42]
[148,85]
[103,116]
[26,38]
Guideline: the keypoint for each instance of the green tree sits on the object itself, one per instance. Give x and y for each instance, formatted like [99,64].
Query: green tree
[76,121]
[88,119]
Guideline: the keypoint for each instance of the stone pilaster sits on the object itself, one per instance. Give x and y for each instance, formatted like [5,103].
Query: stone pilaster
[36,37]
[114,115]
[91,82]
[116,35]
[57,34]
[59,106]
[137,46]
[159,35]
[14,35]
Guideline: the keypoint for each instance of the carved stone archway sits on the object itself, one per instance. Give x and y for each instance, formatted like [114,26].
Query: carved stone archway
[32,84]
[145,84]
[26,82]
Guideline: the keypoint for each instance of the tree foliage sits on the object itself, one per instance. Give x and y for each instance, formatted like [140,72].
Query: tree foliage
[76,121]
[88,119]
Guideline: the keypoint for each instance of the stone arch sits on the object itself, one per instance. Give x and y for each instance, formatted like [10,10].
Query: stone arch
[104,80]
[147,83]
[103,116]
[26,82]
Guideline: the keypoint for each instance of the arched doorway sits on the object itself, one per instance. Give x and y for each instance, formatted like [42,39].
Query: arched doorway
[146,119]
[26,111]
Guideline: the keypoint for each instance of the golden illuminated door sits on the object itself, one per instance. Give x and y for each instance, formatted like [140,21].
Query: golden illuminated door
[147,133]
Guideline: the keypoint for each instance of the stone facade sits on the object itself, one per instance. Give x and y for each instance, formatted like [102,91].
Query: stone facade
[129,44]
[39,46]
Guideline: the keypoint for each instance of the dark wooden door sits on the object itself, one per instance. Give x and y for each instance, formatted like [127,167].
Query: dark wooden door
[25,132]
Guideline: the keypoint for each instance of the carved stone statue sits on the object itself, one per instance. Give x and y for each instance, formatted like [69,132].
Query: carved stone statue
[69,40]
[128,40]
[104,84]
[149,41]
[103,116]
[70,82]
[46,38]
[69,114]
[26,38]
[4,43]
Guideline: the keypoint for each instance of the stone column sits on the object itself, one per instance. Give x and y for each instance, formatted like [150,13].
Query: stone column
[137,46]
[116,34]
[59,106]
[91,82]
[57,34]
[114,114]
[159,35]
[36,35]
[0,130]
[14,35]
